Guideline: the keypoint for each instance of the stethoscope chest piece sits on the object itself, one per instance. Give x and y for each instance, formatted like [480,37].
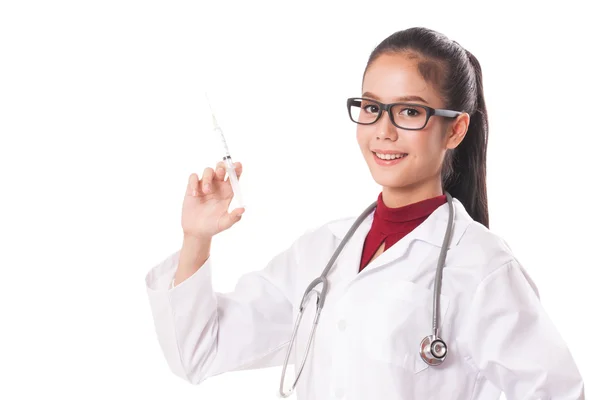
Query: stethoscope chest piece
[433,350]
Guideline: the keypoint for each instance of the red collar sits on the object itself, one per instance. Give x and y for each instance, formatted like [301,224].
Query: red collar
[389,220]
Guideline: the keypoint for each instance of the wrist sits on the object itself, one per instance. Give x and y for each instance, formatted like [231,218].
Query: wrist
[196,240]
[194,252]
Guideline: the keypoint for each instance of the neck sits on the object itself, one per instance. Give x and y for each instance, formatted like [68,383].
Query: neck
[395,197]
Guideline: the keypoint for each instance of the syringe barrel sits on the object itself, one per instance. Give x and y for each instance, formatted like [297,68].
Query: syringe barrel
[233,179]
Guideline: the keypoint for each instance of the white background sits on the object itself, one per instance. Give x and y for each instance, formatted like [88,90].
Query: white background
[103,118]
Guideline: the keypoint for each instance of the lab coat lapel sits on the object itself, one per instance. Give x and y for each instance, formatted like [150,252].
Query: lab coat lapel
[395,252]
[348,260]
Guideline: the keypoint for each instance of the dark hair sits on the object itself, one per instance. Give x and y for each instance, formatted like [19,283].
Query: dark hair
[457,75]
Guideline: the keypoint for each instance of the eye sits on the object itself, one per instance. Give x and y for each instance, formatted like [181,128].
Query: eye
[371,108]
[410,112]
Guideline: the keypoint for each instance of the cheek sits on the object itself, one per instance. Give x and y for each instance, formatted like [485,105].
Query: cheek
[419,143]
[362,137]
[425,145]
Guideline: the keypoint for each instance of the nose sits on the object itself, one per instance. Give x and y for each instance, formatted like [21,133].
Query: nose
[385,128]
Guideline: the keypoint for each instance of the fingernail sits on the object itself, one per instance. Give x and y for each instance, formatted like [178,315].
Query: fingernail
[207,188]
[195,193]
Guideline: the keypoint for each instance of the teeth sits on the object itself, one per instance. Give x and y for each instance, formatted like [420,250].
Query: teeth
[389,156]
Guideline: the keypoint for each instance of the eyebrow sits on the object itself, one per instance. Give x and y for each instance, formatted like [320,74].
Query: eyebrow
[401,98]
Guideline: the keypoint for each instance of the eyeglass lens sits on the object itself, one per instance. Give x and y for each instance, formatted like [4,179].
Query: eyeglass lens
[363,111]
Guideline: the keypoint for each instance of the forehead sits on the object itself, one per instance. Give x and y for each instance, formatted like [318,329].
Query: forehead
[397,75]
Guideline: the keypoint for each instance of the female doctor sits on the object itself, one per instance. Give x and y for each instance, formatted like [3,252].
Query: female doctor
[422,128]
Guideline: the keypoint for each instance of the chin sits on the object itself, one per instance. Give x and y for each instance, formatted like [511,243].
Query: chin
[389,181]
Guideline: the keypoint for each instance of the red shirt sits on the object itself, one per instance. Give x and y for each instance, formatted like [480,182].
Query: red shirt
[392,224]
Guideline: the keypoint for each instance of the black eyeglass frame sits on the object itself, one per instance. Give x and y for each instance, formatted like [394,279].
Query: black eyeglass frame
[388,107]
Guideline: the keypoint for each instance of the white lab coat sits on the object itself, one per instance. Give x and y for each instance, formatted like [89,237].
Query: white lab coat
[366,345]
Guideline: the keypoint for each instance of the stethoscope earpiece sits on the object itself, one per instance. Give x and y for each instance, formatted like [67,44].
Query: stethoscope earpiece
[433,350]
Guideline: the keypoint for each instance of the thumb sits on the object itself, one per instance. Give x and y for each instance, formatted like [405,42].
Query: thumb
[234,216]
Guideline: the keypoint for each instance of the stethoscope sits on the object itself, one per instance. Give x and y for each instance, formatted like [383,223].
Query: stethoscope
[433,349]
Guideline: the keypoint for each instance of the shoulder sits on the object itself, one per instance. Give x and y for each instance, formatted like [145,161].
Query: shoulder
[332,229]
[486,253]
[483,245]
[324,237]
[316,235]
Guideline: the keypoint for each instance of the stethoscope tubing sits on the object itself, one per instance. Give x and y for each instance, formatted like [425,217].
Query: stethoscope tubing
[322,279]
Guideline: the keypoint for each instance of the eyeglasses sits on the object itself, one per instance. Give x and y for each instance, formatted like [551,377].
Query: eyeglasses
[408,116]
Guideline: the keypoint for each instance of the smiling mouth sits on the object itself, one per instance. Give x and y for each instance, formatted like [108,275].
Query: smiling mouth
[389,157]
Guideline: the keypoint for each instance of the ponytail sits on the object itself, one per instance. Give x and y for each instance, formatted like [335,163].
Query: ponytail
[465,173]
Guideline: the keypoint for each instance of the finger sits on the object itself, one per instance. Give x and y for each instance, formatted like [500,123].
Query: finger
[207,178]
[220,171]
[238,169]
[192,186]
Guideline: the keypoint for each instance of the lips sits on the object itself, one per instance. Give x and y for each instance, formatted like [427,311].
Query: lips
[382,151]
[389,156]
[388,162]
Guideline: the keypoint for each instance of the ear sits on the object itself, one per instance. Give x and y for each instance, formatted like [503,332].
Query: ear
[458,130]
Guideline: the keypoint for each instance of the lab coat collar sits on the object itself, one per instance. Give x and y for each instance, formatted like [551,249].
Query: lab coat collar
[431,230]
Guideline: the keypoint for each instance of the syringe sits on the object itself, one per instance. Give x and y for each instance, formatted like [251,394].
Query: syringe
[233,179]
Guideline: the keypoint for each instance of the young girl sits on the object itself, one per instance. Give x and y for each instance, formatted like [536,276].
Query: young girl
[422,128]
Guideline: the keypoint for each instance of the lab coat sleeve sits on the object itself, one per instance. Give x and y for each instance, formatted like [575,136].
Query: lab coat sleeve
[510,339]
[203,333]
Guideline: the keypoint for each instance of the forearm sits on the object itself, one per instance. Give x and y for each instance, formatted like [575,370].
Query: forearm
[194,253]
